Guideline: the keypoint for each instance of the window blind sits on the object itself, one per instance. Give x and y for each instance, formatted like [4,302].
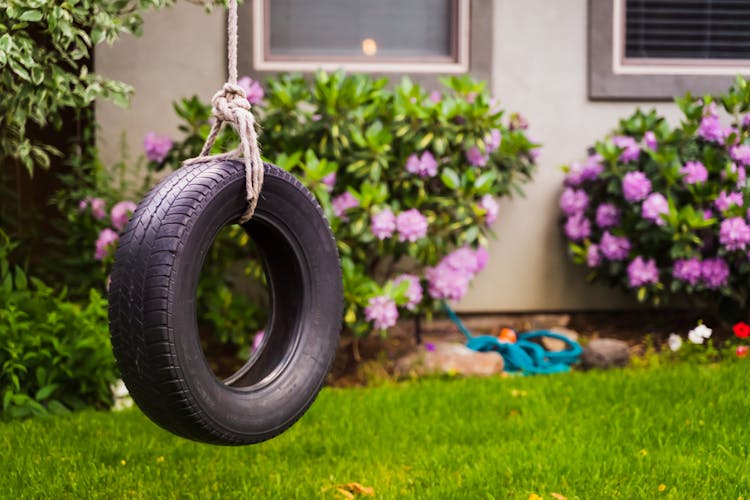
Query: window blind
[687,29]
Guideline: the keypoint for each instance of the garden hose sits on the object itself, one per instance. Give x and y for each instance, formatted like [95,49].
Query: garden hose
[524,355]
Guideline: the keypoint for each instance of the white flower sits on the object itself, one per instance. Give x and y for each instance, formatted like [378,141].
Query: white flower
[674,341]
[700,333]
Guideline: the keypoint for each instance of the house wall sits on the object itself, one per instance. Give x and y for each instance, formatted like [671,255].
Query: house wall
[539,69]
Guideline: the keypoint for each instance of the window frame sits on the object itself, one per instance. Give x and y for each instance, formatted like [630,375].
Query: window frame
[612,76]
[458,63]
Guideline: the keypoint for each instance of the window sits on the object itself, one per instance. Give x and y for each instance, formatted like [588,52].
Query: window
[660,48]
[425,36]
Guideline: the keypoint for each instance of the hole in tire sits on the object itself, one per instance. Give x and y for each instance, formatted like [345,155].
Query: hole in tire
[232,302]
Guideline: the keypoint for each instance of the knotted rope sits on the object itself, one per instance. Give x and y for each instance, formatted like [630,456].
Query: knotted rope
[230,105]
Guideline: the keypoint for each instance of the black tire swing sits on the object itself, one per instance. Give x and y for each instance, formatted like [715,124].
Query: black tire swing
[155,277]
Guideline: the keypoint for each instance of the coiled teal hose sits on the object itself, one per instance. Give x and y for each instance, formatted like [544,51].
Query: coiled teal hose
[523,355]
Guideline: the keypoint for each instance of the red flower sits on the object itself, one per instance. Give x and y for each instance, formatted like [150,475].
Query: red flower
[742,351]
[741,329]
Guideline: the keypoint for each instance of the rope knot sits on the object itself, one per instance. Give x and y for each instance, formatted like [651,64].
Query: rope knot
[230,105]
[229,102]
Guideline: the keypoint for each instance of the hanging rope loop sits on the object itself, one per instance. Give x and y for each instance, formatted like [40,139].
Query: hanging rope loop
[230,105]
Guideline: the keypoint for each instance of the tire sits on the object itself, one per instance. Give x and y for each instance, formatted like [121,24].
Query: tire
[152,308]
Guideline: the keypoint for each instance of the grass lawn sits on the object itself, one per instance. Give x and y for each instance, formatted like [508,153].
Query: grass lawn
[672,432]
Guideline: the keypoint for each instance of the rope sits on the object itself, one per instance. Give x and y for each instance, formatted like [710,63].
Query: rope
[230,105]
[523,355]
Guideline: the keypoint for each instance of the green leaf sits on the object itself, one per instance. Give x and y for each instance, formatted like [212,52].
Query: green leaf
[21,281]
[31,16]
[45,392]
[450,178]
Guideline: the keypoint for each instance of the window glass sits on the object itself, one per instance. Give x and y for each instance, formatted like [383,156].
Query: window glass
[361,29]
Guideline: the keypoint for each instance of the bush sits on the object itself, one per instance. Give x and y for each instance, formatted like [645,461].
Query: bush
[55,355]
[407,178]
[660,210]
[45,60]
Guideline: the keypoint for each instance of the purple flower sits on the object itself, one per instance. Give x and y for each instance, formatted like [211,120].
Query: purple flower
[741,174]
[593,259]
[653,207]
[711,130]
[741,154]
[482,257]
[104,242]
[707,214]
[446,283]
[121,213]
[83,205]
[607,215]
[253,89]
[491,208]
[650,139]
[316,117]
[746,121]
[493,139]
[588,171]
[475,157]
[642,272]
[688,270]
[435,96]
[329,181]
[573,201]
[724,200]
[631,149]
[424,166]
[714,272]
[411,225]
[382,312]
[635,186]
[694,172]
[342,203]
[465,260]
[577,227]
[156,147]
[734,233]
[414,292]
[98,208]
[614,247]
[383,224]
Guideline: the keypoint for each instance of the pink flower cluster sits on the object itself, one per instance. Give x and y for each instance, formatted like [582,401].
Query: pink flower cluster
[478,158]
[423,166]
[382,311]
[119,216]
[490,207]
[156,147]
[342,203]
[582,172]
[253,89]
[410,225]
[450,279]
[714,272]
[414,292]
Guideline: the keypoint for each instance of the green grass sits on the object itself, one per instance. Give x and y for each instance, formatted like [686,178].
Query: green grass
[583,435]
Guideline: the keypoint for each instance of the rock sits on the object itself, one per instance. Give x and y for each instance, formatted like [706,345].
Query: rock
[556,344]
[605,353]
[448,358]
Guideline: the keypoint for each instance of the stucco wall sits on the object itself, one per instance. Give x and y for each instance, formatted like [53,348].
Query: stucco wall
[181,53]
[540,70]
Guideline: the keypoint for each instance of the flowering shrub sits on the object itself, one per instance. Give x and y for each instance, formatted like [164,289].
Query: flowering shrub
[661,210]
[407,178]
